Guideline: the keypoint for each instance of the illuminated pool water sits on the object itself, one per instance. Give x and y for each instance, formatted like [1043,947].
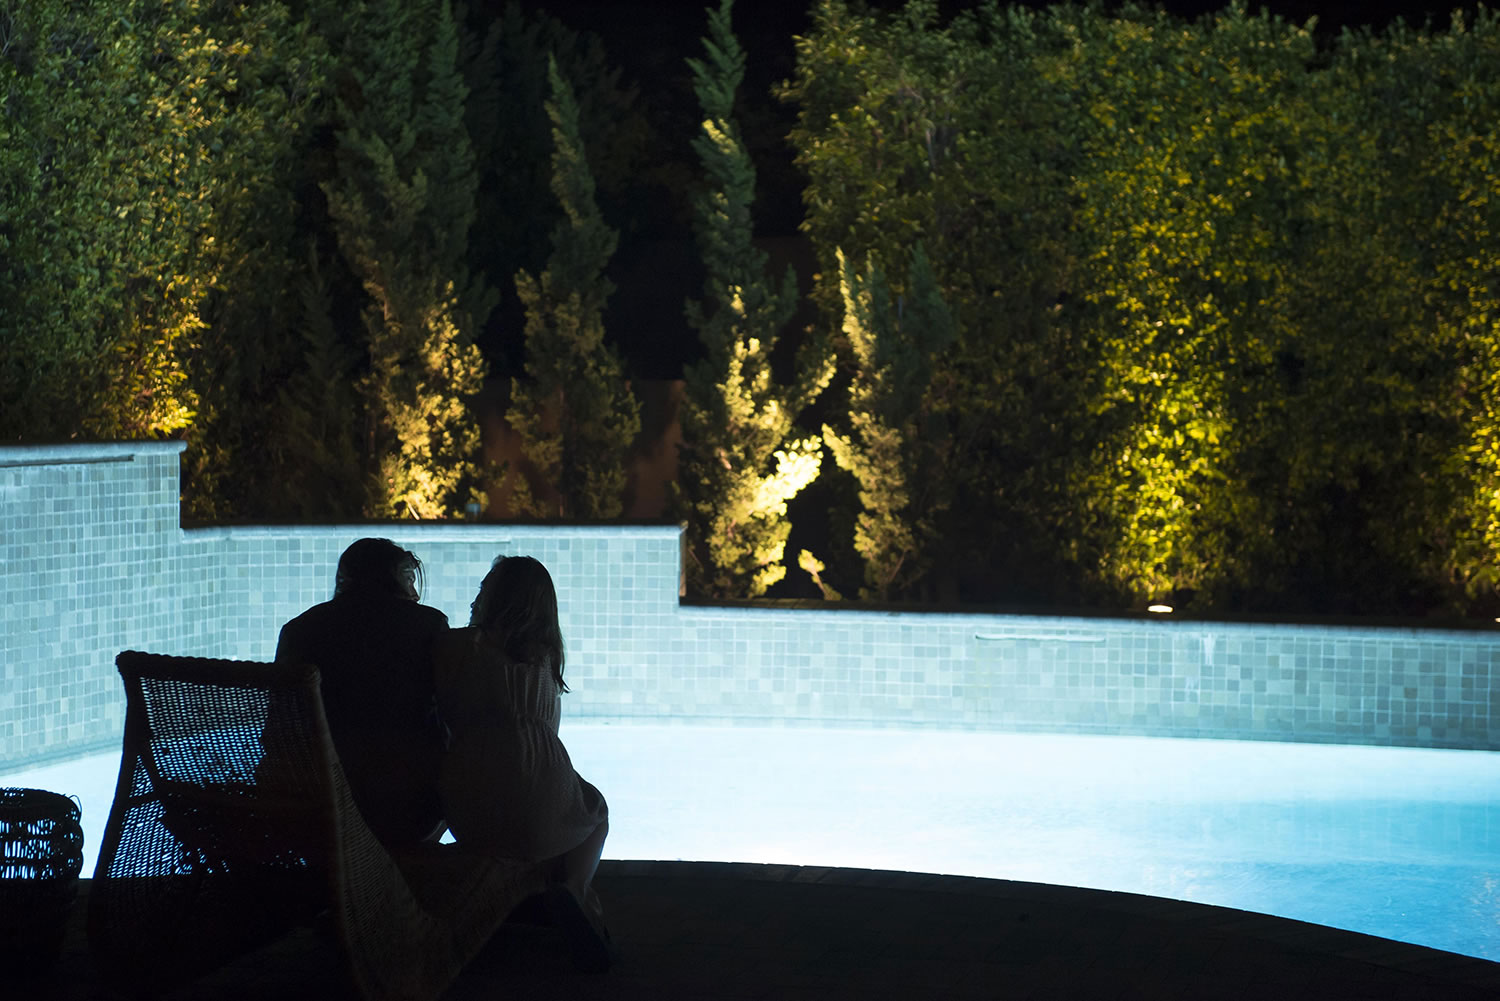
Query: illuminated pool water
[1398,842]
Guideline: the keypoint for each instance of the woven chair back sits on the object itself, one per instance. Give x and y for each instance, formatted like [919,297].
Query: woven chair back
[41,853]
[221,834]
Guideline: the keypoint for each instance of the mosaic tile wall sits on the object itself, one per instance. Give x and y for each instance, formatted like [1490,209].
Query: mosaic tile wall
[88,550]
[605,577]
[94,562]
[1428,688]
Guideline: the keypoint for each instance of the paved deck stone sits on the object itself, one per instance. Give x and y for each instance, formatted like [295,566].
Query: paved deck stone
[687,930]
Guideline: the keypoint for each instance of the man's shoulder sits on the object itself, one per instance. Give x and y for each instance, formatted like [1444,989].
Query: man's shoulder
[300,633]
[322,608]
[433,618]
[382,610]
[312,617]
[436,614]
[364,614]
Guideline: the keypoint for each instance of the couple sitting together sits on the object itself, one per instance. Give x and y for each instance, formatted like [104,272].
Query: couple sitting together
[456,729]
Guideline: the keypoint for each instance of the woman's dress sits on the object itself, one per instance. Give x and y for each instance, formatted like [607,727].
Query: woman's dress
[508,786]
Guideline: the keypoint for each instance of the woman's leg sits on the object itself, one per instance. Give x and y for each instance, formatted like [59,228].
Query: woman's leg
[582,861]
[575,907]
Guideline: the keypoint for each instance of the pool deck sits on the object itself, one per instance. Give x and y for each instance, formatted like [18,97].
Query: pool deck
[708,930]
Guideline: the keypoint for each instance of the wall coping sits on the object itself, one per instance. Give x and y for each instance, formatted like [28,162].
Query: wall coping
[82,453]
[431,531]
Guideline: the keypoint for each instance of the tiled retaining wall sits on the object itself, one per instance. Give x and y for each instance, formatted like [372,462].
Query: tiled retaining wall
[93,561]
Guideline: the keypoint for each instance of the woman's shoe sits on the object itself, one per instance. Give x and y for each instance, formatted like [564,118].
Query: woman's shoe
[588,943]
[595,910]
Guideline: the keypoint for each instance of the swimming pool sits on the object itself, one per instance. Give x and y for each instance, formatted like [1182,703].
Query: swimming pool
[1398,842]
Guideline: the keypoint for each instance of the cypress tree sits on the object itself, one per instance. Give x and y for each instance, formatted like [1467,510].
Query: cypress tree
[575,414]
[894,448]
[740,460]
[505,61]
[402,204]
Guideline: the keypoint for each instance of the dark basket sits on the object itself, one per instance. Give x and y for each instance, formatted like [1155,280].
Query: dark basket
[41,852]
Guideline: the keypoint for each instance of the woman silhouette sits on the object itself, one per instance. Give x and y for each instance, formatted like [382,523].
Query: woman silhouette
[507,784]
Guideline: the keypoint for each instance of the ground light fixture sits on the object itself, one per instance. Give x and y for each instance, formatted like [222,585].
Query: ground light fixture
[1159,608]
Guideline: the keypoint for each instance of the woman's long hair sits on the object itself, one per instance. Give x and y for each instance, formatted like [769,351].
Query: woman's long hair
[516,610]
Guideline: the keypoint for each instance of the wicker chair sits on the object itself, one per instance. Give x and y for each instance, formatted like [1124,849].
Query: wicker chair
[232,821]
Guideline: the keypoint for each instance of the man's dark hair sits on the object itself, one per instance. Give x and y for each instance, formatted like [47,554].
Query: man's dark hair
[379,565]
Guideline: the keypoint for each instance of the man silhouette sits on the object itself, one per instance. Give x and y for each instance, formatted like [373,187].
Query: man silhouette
[372,644]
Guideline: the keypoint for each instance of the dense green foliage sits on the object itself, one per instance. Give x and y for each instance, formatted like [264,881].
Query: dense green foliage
[274,432]
[575,413]
[131,150]
[912,133]
[742,457]
[1124,307]
[286,275]
[1269,245]
[1226,303]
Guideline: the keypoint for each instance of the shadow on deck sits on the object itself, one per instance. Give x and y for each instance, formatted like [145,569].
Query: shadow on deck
[688,930]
